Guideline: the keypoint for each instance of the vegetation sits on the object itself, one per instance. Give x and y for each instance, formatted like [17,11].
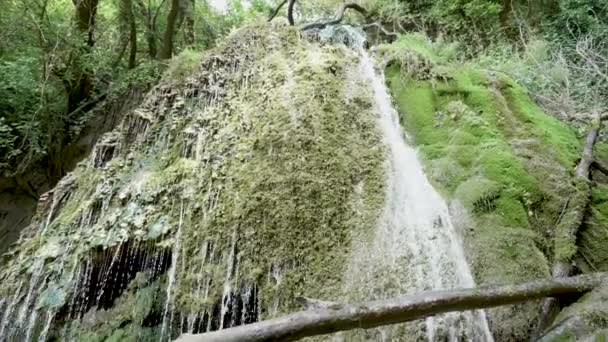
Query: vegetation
[59,60]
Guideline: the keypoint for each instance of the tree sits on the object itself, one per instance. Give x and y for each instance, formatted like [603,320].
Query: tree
[166,50]
[128,32]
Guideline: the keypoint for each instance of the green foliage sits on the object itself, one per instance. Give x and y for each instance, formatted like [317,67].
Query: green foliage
[51,76]
[419,57]
[577,18]
[182,66]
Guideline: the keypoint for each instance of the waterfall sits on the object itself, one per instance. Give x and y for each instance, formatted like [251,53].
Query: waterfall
[415,246]
[163,231]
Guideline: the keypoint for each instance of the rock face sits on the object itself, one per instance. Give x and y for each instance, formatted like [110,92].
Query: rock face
[233,189]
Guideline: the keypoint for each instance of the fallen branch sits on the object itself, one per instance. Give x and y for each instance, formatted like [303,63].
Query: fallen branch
[340,317]
[566,230]
[582,169]
[337,19]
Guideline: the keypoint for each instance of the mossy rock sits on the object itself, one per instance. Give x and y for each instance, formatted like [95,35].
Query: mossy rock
[593,237]
[255,163]
[488,147]
[478,194]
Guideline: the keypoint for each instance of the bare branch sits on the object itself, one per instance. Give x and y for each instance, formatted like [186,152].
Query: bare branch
[337,19]
[381,28]
[276,10]
[290,7]
[337,317]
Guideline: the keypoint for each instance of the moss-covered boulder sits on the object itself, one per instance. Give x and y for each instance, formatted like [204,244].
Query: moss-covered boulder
[232,190]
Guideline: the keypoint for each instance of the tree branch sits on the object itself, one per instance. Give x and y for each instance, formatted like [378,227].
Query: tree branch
[290,7]
[276,10]
[603,168]
[582,169]
[337,19]
[337,317]
[381,28]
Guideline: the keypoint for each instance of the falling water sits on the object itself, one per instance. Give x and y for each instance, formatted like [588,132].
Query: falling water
[415,246]
[172,271]
[47,326]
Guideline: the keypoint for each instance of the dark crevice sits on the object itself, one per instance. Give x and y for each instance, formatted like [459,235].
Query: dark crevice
[108,273]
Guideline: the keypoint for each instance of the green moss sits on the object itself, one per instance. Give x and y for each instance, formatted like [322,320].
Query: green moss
[565,232]
[122,322]
[558,136]
[478,194]
[566,336]
[488,147]
[591,312]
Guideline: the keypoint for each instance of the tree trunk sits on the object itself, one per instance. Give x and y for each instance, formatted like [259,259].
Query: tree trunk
[80,86]
[128,33]
[86,11]
[132,36]
[185,15]
[506,23]
[339,317]
[276,10]
[290,8]
[166,50]
[150,24]
[189,36]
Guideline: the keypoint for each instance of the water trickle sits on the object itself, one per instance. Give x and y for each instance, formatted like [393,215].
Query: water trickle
[415,246]
[47,326]
[172,271]
[10,307]
[30,326]
[25,307]
[226,296]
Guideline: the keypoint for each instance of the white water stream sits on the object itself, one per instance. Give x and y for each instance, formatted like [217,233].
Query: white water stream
[415,246]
